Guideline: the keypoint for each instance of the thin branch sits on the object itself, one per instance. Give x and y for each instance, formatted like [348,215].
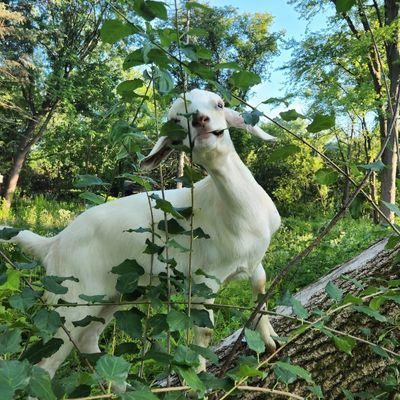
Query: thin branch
[270,391]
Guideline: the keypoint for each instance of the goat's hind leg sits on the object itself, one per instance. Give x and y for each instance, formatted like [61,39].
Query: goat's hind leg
[261,323]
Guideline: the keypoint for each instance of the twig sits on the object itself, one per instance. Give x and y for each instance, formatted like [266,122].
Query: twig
[271,391]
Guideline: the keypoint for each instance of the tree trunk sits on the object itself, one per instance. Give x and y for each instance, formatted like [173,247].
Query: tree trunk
[390,155]
[334,370]
[31,135]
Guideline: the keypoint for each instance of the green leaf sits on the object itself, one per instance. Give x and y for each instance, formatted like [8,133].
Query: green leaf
[173,130]
[371,313]
[244,79]
[130,322]
[277,101]
[144,181]
[10,340]
[178,320]
[190,176]
[254,341]
[158,57]
[41,349]
[47,322]
[349,298]
[87,320]
[326,176]
[138,395]
[290,115]
[298,308]
[283,152]
[89,180]
[392,207]
[97,298]
[189,375]
[92,198]
[190,51]
[127,267]
[198,233]
[201,318]
[316,391]
[113,369]
[150,9]
[166,206]
[127,87]
[321,122]
[190,5]
[392,242]
[173,243]
[380,351]
[251,117]
[245,370]
[344,343]
[40,384]
[126,348]
[113,30]
[163,80]
[376,302]
[158,324]
[201,70]
[53,283]
[295,370]
[206,353]
[228,65]
[184,356]
[343,6]
[14,375]
[348,394]
[173,226]
[8,233]
[375,166]
[133,59]
[334,292]
[31,265]
[23,301]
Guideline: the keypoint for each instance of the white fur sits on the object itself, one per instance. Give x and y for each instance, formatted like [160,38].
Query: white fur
[229,205]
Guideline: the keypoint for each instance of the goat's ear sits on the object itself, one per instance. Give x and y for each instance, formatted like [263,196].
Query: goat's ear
[233,118]
[159,152]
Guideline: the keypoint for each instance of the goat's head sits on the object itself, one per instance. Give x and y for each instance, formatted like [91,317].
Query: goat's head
[203,115]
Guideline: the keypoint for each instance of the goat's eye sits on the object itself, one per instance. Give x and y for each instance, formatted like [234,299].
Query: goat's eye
[220,105]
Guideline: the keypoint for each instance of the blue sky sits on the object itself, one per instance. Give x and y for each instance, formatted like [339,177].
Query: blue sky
[285,19]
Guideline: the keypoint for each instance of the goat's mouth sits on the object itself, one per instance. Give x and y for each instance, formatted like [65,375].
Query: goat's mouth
[218,132]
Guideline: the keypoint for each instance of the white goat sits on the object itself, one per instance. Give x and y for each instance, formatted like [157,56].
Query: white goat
[229,206]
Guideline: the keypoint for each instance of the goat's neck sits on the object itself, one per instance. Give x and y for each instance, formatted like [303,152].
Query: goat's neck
[233,183]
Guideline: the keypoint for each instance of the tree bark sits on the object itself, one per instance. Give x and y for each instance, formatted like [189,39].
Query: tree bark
[390,155]
[332,369]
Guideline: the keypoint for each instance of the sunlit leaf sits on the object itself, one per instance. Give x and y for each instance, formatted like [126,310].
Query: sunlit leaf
[114,29]
[321,122]
[244,79]
[375,166]
[326,176]
[283,152]
[343,6]
[344,343]
[290,115]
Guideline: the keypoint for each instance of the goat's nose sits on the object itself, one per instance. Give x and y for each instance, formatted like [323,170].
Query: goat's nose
[200,120]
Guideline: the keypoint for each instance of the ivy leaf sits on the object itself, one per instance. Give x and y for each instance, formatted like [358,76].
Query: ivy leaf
[326,176]
[23,301]
[189,375]
[295,370]
[53,283]
[375,166]
[321,122]
[113,30]
[201,318]
[173,130]
[371,313]
[127,87]
[334,292]
[8,233]
[344,343]
[184,356]
[113,369]
[254,341]
[178,320]
[244,79]
[343,6]
[97,298]
[133,59]
[130,322]
[14,375]
[87,320]
[40,384]
[392,207]
[206,353]
[290,115]
[10,340]
[41,349]
[47,322]
[166,206]
[92,198]
[283,152]
[298,308]
[251,117]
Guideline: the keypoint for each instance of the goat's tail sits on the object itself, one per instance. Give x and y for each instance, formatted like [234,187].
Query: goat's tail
[30,242]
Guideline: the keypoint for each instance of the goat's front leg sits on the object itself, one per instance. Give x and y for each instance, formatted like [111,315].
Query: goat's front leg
[262,324]
[202,335]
